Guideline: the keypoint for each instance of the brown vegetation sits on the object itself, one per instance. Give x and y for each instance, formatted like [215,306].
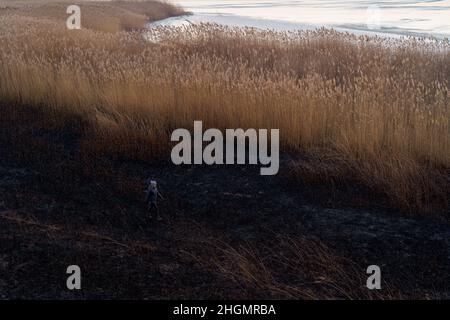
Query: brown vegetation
[289,267]
[367,111]
[106,16]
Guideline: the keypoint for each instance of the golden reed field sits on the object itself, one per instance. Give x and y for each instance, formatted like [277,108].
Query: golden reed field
[353,110]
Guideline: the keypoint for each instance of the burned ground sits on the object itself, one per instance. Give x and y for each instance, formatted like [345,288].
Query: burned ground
[227,232]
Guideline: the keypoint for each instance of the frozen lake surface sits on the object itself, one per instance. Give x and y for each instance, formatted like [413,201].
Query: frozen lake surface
[387,17]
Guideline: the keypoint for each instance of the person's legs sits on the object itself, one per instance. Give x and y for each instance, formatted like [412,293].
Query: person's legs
[156,210]
[153,210]
[150,210]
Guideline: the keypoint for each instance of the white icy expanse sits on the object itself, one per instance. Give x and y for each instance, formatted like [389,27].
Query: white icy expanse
[388,17]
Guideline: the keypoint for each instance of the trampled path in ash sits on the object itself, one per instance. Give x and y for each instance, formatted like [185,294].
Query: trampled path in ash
[101,225]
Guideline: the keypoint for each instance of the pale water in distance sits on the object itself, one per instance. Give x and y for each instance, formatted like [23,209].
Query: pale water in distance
[388,17]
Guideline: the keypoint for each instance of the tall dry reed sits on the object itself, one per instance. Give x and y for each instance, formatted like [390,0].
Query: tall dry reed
[375,110]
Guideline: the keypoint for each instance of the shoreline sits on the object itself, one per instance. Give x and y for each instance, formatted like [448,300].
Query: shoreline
[225,14]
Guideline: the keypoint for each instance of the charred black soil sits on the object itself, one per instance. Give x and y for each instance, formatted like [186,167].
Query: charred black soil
[227,232]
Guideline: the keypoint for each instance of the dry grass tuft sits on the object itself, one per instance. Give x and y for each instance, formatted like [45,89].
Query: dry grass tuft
[289,268]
